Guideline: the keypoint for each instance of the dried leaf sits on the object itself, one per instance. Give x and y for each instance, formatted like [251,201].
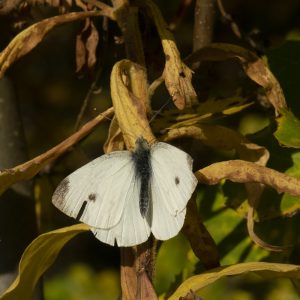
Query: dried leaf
[221,137]
[115,139]
[202,111]
[80,53]
[243,171]
[130,110]
[30,168]
[288,131]
[29,38]
[37,258]
[91,46]
[201,241]
[255,68]
[178,77]
[147,291]
[271,270]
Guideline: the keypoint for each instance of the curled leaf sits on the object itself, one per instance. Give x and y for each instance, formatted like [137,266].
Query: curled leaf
[201,241]
[177,76]
[130,110]
[271,270]
[37,258]
[254,67]
[29,38]
[30,168]
[243,171]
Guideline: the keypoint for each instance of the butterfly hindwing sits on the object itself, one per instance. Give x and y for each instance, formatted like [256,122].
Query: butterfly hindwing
[101,186]
[132,229]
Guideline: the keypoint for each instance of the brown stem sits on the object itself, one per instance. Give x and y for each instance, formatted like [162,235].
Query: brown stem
[136,262]
[204,17]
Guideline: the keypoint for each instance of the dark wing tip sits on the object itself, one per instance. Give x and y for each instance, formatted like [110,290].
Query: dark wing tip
[60,192]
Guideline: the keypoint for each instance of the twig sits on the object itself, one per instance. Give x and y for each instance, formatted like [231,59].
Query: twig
[227,17]
[30,168]
[181,13]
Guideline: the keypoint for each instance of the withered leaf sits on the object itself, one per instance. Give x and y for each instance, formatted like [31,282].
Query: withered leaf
[177,76]
[29,38]
[255,68]
[243,171]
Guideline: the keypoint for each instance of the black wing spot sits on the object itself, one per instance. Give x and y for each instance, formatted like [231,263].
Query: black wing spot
[177,180]
[92,197]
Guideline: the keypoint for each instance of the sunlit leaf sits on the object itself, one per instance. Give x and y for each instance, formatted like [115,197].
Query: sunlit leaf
[37,258]
[269,270]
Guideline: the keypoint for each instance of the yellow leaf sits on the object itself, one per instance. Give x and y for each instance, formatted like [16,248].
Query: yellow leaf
[37,258]
[269,270]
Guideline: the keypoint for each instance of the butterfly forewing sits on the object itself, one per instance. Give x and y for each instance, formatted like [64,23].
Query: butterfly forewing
[172,176]
[101,186]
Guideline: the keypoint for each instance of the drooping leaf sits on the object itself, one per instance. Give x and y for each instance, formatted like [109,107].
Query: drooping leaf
[284,62]
[177,75]
[29,38]
[254,67]
[242,171]
[269,270]
[37,258]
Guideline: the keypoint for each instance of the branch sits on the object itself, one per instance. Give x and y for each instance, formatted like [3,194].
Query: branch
[30,168]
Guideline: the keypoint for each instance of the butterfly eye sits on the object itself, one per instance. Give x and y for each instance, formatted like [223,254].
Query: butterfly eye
[177,180]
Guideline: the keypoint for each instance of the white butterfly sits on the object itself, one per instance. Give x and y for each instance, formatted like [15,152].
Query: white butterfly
[124,195]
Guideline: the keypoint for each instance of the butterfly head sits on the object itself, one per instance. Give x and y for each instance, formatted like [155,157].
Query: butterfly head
[141,144]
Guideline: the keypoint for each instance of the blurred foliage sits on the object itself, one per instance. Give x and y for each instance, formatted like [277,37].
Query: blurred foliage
[50,97]
[81,282]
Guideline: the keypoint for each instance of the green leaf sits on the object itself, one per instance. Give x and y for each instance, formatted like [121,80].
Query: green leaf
[288,131]
[37,258]
[267,270]
[290,204]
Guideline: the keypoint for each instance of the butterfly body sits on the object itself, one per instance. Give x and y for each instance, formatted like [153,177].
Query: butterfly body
[142,161]
[124,195]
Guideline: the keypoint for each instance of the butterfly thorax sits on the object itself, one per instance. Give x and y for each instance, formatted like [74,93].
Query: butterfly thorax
[142,163]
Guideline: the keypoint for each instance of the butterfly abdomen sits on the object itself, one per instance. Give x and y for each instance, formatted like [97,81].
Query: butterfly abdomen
[142,162]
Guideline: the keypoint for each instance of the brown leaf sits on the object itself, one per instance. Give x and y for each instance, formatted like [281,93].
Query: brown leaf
[201,241]
[29,38]
[130,110]
[178,77]
[30,168]
[128,273]
[91,46]
[242,171]
[221,137]
[80,53]
[255,68]
[190,296]
[115,139]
